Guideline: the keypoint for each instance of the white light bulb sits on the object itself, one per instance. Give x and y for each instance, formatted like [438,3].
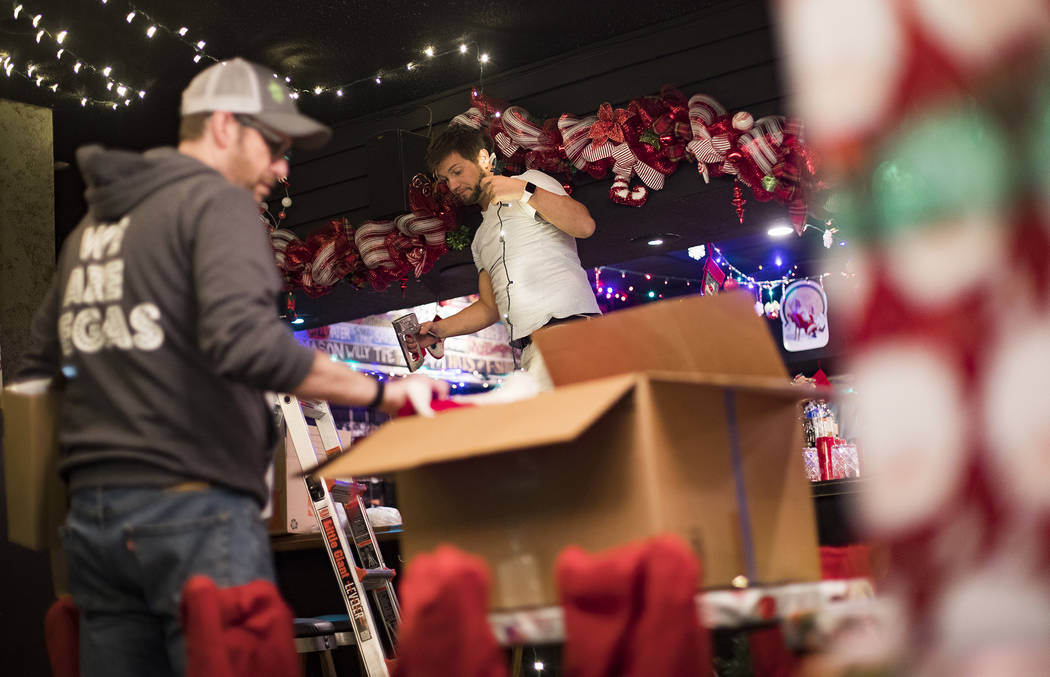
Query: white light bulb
[39,79]
[200,45]
[106,71]
[151,31]
[142,94]
[462,49]
[288,79]
[183,31]
[196,58]
[122,90]
[39,35]
[338,92]
[127,102]
[379,80]
[410,65]
[317,90]
[429,51]
[30,69]
[60,53]
[484,58]
[83,102]
[497,114]
[131,16]
[18,10]
[114,106]
[8,69]
[37,19]
[76,68]
[54,87]
[109,86]
[61,36]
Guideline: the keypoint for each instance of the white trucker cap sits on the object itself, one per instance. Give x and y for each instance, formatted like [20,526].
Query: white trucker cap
[240,86]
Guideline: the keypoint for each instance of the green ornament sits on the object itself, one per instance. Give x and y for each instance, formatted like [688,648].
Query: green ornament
[944,165]
[650,137]
[769,183]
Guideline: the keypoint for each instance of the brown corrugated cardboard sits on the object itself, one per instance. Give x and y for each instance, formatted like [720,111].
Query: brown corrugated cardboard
[702,335]
[292,508]
[36,496]
[712,457]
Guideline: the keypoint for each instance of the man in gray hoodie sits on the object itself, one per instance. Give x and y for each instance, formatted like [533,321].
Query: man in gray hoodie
[161,322]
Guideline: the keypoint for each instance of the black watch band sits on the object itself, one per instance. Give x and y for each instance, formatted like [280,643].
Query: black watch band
[378,399]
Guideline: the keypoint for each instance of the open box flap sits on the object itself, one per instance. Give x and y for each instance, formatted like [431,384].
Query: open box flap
[561,415]
[552,417]
[719,334]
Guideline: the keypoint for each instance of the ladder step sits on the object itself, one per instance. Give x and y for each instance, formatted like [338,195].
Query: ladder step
[374,579]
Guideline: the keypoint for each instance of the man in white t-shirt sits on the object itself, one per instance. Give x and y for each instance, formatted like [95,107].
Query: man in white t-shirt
[529,273]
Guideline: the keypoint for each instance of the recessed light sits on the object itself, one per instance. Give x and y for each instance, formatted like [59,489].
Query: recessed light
[655,239]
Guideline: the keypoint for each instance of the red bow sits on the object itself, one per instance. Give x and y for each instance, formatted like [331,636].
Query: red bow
[608,127]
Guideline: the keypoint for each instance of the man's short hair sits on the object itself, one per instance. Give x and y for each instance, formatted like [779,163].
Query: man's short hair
[461,139]
[191,127]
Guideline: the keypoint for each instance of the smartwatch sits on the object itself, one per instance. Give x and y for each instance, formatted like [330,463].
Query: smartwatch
[530,189]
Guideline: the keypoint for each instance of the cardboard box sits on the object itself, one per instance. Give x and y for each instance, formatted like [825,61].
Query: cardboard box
[640,438]
[36,495]
[292,508]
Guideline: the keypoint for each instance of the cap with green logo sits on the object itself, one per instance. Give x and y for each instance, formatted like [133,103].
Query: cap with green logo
[240,86]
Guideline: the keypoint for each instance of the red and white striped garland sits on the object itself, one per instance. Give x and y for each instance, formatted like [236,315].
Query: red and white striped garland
[657,132]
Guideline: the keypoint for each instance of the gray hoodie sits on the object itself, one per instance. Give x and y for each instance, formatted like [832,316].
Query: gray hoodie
[162,319]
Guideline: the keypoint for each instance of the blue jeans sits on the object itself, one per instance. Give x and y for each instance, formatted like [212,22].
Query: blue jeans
[131,549]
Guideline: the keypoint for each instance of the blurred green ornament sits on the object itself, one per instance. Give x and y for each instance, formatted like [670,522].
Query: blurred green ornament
[769,183]
[1038,141]
[946,164]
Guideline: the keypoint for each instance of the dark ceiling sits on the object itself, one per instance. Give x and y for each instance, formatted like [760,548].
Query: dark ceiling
[348,44]
[322,44]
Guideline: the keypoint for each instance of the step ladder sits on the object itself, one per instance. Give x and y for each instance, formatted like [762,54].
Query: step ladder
[356,558]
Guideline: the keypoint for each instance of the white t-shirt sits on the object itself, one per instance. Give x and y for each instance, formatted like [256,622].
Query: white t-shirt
[541,260]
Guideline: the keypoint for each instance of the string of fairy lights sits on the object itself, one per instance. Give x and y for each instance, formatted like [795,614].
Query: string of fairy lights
[125,94]
[634,285]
